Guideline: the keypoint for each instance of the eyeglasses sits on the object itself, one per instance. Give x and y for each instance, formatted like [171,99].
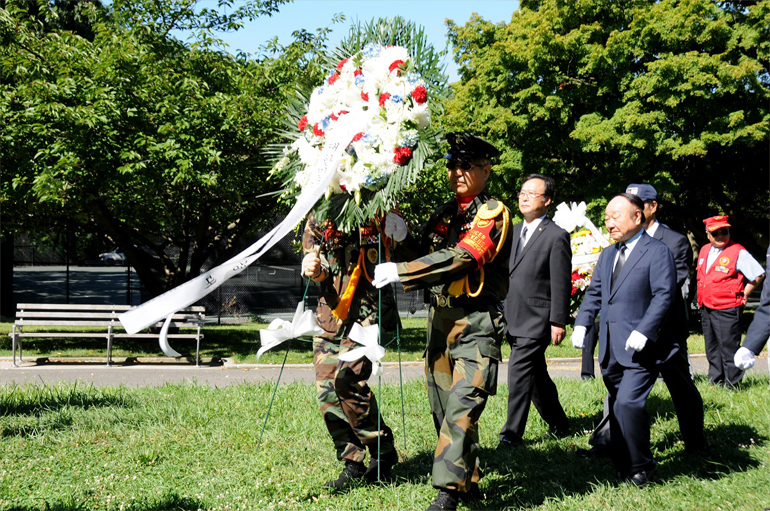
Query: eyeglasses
[530,195]
[465,166]
[724,231]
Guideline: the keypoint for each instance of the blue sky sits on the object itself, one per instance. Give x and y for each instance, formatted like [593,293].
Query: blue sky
[312,14]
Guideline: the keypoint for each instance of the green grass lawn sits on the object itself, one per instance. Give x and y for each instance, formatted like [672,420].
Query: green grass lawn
[189,446]
[241,342]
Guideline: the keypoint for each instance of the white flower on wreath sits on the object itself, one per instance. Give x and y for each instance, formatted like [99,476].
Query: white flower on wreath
[393,106]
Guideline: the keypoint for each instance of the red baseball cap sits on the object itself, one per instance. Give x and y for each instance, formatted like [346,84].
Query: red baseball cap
[716,222]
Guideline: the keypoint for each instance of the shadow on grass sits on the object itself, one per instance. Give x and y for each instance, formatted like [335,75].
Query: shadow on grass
[728,452]
[28,410]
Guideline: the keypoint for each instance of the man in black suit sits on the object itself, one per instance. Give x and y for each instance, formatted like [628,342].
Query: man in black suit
[676,372]
[633,289]
[536,310]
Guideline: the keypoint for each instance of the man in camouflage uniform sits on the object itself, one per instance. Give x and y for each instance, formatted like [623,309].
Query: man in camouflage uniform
[348,405]
[468,243]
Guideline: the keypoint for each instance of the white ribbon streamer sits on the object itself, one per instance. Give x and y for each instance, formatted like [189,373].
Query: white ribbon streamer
[163,340]
[280,330]
[337,139]
[369,337]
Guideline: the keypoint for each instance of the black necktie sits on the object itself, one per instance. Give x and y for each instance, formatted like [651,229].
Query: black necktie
[618,264]
[522,240]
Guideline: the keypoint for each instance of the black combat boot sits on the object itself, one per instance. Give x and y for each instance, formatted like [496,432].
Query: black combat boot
[353,471]
[446,500]
[385,464]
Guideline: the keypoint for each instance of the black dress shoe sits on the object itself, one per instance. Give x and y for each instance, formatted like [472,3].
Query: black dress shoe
[507,443]
[594,452]
[643,478]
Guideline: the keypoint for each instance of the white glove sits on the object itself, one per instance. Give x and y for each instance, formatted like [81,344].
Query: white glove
[395,227]
[384,274]
[636,341]
[744,358]
[578,337]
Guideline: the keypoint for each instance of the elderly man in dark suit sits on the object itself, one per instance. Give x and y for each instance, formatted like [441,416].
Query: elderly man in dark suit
[633,288]
[676,372]
[536,310]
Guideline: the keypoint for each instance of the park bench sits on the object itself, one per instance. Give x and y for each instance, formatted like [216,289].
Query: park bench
[100,321]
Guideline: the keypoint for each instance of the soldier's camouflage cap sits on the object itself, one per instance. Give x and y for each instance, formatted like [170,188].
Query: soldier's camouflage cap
[464,146]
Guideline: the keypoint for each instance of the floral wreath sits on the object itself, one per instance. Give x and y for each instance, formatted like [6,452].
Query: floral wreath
[378,84]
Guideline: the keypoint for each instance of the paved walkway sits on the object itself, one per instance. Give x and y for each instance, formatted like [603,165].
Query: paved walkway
[159,371]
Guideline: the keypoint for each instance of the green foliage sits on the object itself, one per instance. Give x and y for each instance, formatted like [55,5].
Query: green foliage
[603,94]
[155,143]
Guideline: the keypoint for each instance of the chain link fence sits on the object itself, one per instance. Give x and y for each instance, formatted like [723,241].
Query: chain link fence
[271,287]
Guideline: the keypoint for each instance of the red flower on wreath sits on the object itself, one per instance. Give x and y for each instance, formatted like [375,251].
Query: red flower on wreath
[333,78]
[384,97]
[341,64]
[395,65]
[302,124]
[358,136]
[402,155]
[317,131]
[365,96]
[420,95]
[357,72]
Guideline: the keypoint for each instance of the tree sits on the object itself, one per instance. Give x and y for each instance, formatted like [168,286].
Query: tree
[601,94]
[154,142]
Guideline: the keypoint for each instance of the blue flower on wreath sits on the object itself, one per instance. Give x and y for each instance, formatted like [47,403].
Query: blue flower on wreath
[410,140]
[325,122]
[360,80]
[372,50]
[413,79]
[319,90]
[395,98]
[368,139]
[374,182]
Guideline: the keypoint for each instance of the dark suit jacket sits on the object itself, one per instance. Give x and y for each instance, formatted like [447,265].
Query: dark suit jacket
[640,301]
[759,330]
[682,251]
[540,283]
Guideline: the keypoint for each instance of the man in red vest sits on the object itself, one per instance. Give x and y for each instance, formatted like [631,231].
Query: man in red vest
[727,274]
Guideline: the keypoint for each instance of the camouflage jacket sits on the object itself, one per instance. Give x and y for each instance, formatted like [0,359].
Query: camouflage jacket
[441,261]
[339,253]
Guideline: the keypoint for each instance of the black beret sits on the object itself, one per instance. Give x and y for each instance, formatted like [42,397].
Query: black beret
[464,146]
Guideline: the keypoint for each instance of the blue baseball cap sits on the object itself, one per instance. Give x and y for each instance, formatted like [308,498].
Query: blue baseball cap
[643,191]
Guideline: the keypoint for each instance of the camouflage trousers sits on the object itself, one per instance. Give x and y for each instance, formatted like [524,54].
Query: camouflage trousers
[461,369]
[348,405]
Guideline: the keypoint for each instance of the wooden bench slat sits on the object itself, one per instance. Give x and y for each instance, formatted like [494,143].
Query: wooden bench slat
[61,334]
[22,318]
[80,306]
[105,324]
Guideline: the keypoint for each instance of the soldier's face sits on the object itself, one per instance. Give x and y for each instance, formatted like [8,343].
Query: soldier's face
[470,182]
[622,219]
